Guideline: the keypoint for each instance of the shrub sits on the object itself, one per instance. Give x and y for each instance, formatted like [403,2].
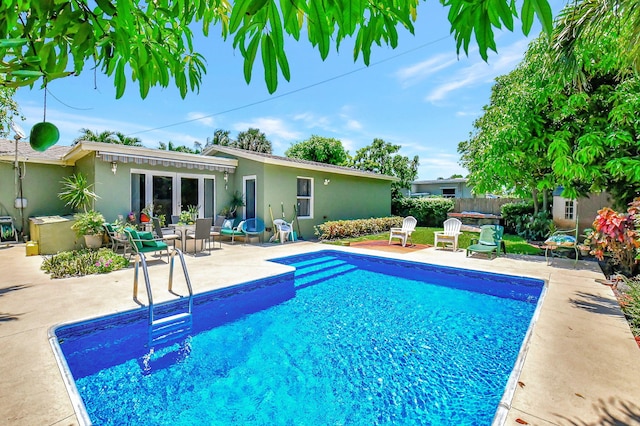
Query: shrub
[615,235]
[519,219]
[630,304]
[355,228]
[83,262]
[428,211]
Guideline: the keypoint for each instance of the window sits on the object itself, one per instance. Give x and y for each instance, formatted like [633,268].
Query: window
[569,209]
[449,192]
[305,197]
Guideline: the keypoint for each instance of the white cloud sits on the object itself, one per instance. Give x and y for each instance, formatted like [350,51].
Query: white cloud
[201,118]
[312,121]
[467,113]
[272,127]
[480,72]
[413,74]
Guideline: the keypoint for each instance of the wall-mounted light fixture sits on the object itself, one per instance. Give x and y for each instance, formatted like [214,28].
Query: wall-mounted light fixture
[326,181]
[226,179]
[114,167]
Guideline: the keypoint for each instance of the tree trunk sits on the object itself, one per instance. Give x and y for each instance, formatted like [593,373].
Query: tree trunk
[545,200]
[536,204]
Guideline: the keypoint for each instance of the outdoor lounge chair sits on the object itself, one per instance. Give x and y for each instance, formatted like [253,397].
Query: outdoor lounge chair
[253,226]
[228,231]
[490,241]
[561,240]
[408,226]
[144,242]
[449,235]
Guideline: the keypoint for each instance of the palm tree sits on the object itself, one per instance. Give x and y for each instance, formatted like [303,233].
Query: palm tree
[89,135]
[254,140]
[123,139]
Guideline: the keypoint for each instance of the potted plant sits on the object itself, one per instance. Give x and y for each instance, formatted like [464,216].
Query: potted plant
[146,213]
[78,193]
[236,201]
[89,225]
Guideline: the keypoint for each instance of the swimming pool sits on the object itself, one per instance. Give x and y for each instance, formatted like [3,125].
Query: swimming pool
[346,339]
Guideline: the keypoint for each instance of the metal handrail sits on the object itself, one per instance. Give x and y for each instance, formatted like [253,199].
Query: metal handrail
[184,270]
[141,260]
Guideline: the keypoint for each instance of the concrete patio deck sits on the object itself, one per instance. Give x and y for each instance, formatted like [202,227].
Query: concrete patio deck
[581,367]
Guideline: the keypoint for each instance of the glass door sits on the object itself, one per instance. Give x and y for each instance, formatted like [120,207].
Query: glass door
[249,196]
[162,190]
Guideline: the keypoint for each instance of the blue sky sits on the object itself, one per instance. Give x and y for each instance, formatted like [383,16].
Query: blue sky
[421,96]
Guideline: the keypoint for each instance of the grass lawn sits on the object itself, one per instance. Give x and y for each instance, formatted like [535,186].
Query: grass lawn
[514,243]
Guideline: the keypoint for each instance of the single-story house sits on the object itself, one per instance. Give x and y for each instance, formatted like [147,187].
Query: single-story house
[128,178]
[447,188]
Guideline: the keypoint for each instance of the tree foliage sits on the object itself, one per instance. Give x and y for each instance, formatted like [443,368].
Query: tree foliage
[170,146]
[319,149]
[382,157]
[152,42]
[253,140]
[107,136]
[540,132]
[8,110]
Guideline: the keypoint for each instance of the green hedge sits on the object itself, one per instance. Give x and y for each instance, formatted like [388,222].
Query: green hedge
[355,228]
[83,262]
[428,211]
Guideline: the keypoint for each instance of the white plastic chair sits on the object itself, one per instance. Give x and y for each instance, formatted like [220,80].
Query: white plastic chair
[284,229]
[408,226]
[450,233]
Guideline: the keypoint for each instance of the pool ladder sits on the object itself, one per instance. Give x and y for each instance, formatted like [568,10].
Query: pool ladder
[172,326]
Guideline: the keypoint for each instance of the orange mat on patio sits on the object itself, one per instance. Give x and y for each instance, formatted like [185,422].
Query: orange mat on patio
[384,245]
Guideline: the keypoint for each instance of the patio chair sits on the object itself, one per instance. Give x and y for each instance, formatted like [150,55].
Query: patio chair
[233,232]
[216,228]
[165,234]
[116,240]
[201,233]
[253,226]
[449,236]
[144,242]
[490,241]
[560,240]
[408,226]
[283,228]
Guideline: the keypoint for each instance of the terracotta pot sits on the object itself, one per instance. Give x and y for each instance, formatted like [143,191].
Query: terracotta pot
[144,218]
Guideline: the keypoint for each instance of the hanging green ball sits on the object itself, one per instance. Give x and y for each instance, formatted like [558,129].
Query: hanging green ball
[43,135]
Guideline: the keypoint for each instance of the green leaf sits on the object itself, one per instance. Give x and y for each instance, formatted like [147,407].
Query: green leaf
[527,16]
[319,28]
[238,14]
[543,11]
[13,42]
[27,73]
[270,65]
[120,79]
[250,56]
[106,7]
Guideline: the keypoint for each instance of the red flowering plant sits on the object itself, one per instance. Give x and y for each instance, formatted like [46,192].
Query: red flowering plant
[616,235]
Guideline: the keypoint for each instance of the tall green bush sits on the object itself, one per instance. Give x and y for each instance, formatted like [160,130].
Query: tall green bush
[428,211]
[519,219]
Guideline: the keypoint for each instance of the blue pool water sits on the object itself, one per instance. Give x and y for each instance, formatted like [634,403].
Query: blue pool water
[346,340]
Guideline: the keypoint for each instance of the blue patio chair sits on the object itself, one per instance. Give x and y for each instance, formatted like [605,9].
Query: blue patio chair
[254,226]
